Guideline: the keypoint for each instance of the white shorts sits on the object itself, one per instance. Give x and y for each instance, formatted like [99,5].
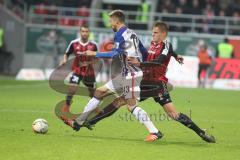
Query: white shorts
[128,86]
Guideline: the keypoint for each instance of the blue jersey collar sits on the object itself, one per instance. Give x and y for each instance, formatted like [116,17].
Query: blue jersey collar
[120,31]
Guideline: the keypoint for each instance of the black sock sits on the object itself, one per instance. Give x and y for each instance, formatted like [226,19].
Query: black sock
[107,111]
[69,99]
[186,121]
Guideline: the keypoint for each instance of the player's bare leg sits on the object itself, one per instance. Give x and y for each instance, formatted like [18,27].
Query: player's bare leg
[71,92]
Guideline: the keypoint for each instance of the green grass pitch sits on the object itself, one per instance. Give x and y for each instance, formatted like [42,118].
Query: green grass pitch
[116,138]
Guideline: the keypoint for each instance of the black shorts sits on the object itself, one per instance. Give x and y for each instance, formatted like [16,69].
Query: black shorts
[158,92]
[88,81]
[202,67]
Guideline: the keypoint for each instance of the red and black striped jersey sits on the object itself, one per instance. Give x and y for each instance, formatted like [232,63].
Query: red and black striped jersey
[81,64]
[158,72]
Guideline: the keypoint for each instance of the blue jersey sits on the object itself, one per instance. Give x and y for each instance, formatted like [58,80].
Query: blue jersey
[127,44]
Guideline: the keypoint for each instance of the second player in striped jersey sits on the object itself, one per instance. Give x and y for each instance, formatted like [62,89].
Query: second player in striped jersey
[82,65]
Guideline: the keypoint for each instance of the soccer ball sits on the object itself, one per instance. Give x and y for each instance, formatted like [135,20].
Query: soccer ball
[40,126]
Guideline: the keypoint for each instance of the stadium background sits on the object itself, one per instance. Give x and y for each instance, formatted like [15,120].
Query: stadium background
[42,30]
[36,34]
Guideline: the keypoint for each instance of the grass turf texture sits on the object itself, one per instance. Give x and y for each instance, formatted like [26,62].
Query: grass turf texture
[116,137]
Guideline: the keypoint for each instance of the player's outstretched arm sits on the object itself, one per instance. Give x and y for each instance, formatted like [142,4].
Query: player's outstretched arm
[110,54]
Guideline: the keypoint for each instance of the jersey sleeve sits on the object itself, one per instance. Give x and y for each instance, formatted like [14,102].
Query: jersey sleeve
[70,49]
[171,49]
[143,50]
[167,48]
[166,52]
[110,54]
[95,48]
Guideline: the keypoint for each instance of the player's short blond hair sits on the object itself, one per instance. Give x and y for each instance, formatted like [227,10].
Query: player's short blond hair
[118,14]
[162,26]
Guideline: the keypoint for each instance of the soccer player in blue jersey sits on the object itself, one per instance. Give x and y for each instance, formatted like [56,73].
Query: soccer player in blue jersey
[127,46]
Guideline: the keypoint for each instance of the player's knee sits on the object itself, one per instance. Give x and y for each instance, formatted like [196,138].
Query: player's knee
[118,102]
[100,92]
[72,90]
[171,111]
[71,93]
[130,108]
[163,100]
[131,104]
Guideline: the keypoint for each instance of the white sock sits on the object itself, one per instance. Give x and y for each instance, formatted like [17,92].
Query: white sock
[143,118]
[92,104]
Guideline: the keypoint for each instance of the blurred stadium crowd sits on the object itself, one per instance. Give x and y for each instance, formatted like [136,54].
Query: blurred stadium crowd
[201,7]
[50,24]
[213,11]
[196,7]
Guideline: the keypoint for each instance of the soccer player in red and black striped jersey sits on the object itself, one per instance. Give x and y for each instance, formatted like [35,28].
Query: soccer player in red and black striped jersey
[154,74]
[82,67]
